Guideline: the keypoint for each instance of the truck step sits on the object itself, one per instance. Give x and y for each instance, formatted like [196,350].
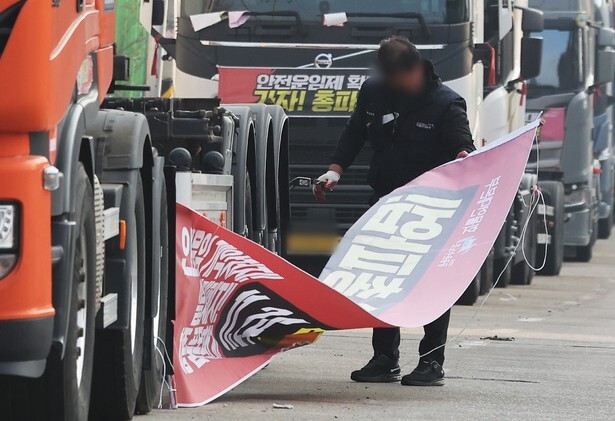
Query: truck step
[112,222]
[108,311]
[57,252]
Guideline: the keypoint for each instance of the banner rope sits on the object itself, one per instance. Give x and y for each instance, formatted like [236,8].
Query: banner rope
[164,369]
[536,198]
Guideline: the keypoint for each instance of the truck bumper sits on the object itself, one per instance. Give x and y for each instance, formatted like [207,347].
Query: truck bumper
[26,310]
[604,210]
[576,228]
[24,345]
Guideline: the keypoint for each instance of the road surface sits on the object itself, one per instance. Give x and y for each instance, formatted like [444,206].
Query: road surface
[560,365]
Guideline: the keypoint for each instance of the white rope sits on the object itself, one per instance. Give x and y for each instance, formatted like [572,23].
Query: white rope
[164,368]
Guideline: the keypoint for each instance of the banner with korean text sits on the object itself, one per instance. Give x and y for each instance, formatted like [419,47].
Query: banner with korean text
[404,263]
[328,92]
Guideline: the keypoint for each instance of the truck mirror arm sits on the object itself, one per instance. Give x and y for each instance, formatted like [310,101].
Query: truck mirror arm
[167,43]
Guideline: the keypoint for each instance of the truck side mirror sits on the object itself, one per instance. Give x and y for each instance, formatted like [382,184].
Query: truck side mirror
[531,57]
[606,37]
[605,67]
[533,20]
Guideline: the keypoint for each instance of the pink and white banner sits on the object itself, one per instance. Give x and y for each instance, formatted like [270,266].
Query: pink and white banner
[404,263]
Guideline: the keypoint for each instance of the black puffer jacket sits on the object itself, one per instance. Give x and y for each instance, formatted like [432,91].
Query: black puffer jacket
[409,136]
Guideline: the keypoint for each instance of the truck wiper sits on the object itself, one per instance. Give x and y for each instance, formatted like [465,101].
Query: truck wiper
[401,15]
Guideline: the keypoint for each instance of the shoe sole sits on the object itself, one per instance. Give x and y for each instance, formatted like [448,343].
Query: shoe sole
[438,382]
[383,378]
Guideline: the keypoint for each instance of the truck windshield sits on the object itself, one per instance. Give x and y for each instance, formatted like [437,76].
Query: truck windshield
[434,11]
[562,61]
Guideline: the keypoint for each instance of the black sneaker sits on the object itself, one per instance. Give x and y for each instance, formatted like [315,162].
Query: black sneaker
[427,373]
[381,369]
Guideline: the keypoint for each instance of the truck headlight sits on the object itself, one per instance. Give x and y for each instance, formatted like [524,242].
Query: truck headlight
[8,238]
[8,220]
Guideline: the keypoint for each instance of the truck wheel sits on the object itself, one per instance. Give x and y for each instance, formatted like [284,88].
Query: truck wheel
[605,227]
[502,269]
[470,295]
[69,380]
[522,273]
[486,274]
[248,228]
[553,242]
[119,352]
[586,253]
[152,376]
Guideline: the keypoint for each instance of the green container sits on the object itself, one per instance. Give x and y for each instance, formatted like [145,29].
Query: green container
[131,41]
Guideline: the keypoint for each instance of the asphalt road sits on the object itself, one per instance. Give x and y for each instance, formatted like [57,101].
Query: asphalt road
[560,365]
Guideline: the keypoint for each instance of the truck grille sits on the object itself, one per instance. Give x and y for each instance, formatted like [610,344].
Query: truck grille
[312,142]
[8,18]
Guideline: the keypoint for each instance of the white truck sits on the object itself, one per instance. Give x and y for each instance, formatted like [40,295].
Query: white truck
[462,38]
[516,58]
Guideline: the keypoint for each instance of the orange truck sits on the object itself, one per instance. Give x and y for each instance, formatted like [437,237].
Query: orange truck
[86,180]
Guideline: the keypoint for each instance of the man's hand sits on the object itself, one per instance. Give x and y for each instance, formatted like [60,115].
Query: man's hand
[462,154]
[325,182]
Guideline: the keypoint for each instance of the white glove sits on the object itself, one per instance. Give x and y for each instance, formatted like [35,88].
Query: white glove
[328,179]
[325,182]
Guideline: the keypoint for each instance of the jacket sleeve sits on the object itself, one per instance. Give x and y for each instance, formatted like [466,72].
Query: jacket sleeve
[456,133]
[353,136]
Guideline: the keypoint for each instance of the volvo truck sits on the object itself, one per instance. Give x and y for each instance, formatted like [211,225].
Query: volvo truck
[299,56]
[88,186]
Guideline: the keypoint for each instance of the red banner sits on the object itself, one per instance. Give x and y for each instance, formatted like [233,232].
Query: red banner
[300,91]
[404,263]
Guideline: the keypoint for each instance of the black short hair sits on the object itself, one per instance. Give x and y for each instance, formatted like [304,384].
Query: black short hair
[397,54]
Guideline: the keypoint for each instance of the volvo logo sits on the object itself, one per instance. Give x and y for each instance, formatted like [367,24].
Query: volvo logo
[323,61]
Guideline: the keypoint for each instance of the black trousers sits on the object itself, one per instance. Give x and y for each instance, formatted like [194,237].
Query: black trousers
[386,340]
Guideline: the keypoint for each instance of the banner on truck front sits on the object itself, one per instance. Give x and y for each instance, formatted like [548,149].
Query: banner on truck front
[403,263]
[301,92]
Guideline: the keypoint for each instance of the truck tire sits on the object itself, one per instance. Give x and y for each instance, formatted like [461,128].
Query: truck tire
[586,253]
[248,211]
[152,376]
[119,352]
[522,273]
[70,378]
[471,294]
[605,227]
[502,269]
[486,274]
[553,192]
